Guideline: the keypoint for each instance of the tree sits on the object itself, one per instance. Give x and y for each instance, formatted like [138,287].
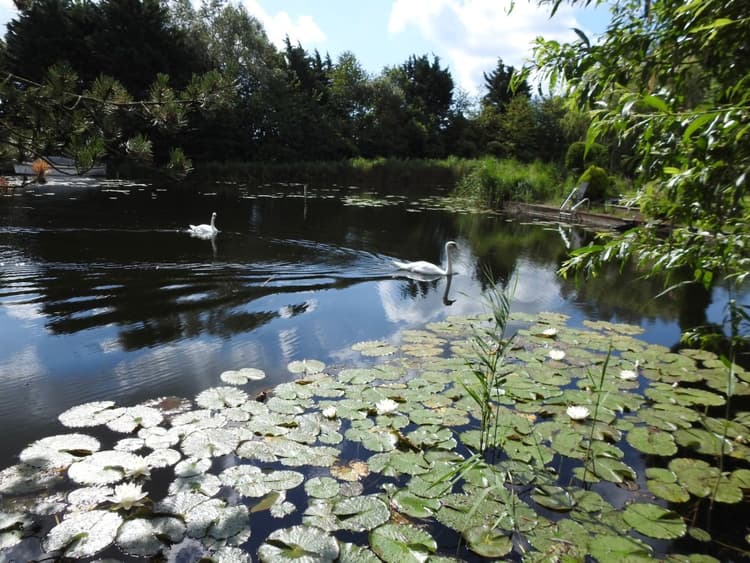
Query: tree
[416,97]
[671,78]
[130,40]
[500,91]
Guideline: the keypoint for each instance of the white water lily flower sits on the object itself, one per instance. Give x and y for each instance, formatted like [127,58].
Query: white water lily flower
[578,413]
[556,354]
[385,406]
[127,496]
[549,332]
[329,412]
[628,375]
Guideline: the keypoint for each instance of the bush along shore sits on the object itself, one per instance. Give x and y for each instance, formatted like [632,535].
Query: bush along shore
[451,442]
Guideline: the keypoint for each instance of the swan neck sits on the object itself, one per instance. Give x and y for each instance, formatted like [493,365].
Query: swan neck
[449,269]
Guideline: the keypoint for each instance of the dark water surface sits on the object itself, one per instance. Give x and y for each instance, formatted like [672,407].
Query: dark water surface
[105,296]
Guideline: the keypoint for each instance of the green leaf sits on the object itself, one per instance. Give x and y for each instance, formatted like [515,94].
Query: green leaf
[612,549]
[554,498]
[397,543]
[655,521]
[299,543]
[652,441]
[361,513]
[415,506]
[696,124]
[656,103]
[488,542]
[83,534]
[718,23]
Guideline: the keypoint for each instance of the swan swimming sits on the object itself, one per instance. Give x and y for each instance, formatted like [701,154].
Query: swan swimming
[204,231]
[427,268]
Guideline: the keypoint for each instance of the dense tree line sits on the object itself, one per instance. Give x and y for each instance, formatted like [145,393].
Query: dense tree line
[149,79]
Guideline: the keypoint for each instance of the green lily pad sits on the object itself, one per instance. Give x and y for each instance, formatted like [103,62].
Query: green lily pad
[397,543]
[375,348]
[702,441]
[22,479]
[351,553]
[554,498]
[221,398]
[89,414]
[109,466]
[650,441]
[612,549]
[322,487]
[361,513]
[488,542]
[299,543]
[306,367]
[83,534]
[655,521]
[611,470]
[242,376]
[142,537]
[210,442]
[59,451]
[413,505]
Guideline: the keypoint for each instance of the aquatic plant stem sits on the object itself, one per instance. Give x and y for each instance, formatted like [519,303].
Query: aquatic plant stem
[597,386]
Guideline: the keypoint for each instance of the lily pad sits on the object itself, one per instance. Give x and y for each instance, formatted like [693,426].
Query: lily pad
[361,513]
[221,398]
[59,451]
[299,543]
[83,534]
[488,542]
[652,441]
[413,505]
[610,549]
[374,348]
[88,414]
[242,376]
[130,418]
[108,466]
[145,537]
[209,442]
[397,543]
[655,521]
[322,487]
[306,367]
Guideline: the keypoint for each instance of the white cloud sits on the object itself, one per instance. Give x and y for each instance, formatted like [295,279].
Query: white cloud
[473,34]
[278,26]
[7,12]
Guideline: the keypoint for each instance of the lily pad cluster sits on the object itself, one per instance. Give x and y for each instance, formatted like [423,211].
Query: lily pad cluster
[383,462]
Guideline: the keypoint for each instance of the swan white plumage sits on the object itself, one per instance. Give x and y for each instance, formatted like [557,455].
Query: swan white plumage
[204,231]
[428,268]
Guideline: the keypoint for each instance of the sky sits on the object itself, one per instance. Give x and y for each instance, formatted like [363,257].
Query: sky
[467,35]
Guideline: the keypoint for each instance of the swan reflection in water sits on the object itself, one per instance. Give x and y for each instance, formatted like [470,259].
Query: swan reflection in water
[428,278]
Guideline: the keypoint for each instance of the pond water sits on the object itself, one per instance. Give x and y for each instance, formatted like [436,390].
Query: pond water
[105,296]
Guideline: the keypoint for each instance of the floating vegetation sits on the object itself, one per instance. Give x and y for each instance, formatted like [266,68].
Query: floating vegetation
[601,446]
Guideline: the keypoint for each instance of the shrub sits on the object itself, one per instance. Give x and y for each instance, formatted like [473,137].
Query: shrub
[492,181]
[599,182]
[577,159]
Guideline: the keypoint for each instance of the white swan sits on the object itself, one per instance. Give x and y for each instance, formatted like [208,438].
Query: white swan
[204,231]
[427,268]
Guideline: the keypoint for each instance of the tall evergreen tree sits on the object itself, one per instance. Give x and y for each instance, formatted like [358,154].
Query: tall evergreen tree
[498,83]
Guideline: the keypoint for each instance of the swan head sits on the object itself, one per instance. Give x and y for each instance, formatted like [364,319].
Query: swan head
[451,245]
